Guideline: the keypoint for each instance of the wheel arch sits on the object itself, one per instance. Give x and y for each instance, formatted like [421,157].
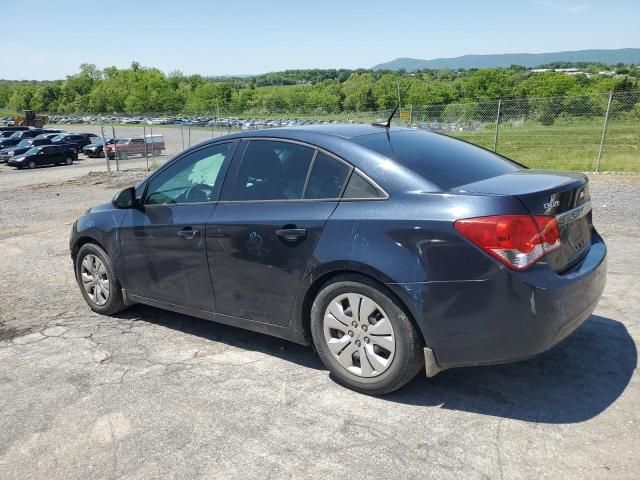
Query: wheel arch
[372,275]
[83,240]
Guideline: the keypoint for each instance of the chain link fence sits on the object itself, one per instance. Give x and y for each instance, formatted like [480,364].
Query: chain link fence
[585,132]
[598,132]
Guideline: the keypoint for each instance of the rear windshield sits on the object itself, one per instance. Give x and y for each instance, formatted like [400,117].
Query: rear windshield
[444,161]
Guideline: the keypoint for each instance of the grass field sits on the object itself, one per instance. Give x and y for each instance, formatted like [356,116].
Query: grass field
[568,145]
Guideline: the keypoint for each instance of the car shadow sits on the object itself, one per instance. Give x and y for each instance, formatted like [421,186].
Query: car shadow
[232,336]
[573,382]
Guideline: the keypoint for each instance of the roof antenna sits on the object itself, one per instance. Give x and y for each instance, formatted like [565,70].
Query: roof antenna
[387,123]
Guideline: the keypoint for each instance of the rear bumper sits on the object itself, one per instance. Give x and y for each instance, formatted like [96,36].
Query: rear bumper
[508,317]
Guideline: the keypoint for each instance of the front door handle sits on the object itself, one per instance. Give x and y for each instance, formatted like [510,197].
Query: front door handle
[291,234]
[188,233]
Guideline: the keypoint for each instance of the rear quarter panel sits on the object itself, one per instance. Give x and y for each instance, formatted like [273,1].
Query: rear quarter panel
[405,239]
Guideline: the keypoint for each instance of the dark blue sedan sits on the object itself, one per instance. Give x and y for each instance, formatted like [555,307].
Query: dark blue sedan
[389,250]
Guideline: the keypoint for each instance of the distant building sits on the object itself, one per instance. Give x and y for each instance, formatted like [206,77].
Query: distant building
[565,71]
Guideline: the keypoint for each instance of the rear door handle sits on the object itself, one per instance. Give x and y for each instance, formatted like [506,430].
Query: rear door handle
[291,234]
[188,233]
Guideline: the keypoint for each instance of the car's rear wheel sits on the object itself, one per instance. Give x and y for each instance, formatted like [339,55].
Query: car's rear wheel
[97,280]
[364,337]
[68,161]
[31,164]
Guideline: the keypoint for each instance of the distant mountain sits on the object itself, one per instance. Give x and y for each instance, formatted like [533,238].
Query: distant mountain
[611,57]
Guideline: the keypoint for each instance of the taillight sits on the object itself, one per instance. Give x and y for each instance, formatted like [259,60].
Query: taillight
[518,241]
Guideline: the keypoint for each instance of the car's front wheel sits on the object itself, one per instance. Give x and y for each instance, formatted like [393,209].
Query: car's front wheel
[68,161]
[364,337]
[97,280]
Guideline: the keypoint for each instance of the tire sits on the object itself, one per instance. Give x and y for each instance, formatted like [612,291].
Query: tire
[123,155]
[31,164]
[390,363]
[156,153]
[114,302]
[68,161]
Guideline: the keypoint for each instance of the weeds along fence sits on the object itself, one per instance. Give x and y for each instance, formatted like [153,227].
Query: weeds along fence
[585,132]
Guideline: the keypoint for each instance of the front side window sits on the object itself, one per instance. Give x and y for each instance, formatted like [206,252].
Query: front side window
[272,170]
[192,179]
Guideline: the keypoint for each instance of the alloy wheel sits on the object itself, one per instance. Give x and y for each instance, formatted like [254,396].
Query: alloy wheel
[359,335]
[95,279]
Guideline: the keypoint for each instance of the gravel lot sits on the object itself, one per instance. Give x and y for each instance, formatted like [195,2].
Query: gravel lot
[153,394]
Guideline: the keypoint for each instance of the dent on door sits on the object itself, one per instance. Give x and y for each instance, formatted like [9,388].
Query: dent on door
[258,254]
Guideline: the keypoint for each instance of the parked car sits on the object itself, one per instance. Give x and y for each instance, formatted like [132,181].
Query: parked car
[6,133]
[76,140]
[389,249]
[13,128]
[17,136]
[44,155]
[125,147]
[96,148]
[50,136]
[22,147]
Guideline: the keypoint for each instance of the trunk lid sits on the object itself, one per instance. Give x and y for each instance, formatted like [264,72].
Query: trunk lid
[563,195]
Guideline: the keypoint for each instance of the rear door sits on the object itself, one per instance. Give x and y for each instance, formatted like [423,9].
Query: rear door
[47,155]
[136,146]
[276,201]
[163,255]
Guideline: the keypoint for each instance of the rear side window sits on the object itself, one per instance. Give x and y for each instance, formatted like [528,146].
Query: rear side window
[272,170]
[359,188]
[328,177]
[444,161]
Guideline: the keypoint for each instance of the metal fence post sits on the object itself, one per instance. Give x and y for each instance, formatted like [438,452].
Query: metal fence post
[182,135]
[144,137]
[115,147]
[104,146]
[604,131]
[495,137]
[410,115]
[189,131]
[152,145]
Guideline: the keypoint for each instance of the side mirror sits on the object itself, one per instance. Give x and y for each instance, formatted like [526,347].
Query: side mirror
[125,198]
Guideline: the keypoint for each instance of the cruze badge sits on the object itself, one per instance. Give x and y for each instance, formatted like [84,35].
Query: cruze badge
[551,204]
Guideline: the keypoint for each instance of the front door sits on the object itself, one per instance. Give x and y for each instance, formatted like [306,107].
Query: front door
[261,238]
[163,255]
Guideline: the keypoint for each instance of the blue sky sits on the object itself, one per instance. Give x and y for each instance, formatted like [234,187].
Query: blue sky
[49,39]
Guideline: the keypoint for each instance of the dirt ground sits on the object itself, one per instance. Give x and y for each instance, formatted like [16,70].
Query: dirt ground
[154,394]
